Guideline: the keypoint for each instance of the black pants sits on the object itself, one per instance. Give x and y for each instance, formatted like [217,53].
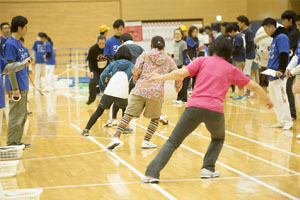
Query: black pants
[189,121]
[183,94]
[94,87]
[263,79]
[291,98]
[105,103]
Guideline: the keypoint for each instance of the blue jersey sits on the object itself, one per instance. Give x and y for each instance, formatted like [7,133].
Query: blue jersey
[14,51]
[249,37]
[2,45]
[49,49]
[297,52]
[280,44]
[111,46]
[3,63]
[239,41]
[40,49]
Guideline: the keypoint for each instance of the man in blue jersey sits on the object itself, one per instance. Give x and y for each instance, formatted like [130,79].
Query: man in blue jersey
[243,23]
[17,83]
[113,43]
[38,52]
[5,29]
[278,61]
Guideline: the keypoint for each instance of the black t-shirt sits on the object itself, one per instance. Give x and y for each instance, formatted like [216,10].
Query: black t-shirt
[95,58]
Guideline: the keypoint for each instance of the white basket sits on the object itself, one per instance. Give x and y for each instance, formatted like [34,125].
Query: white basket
[22,194]
[8,168]
[11,152]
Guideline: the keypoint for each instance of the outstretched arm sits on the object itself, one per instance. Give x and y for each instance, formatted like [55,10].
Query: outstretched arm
[178,74]
[14,67]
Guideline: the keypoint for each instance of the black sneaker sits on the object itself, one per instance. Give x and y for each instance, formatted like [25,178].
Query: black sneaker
[85,133]
[89,102]
[26,145]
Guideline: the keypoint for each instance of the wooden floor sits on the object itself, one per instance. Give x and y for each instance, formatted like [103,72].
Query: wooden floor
[257,162]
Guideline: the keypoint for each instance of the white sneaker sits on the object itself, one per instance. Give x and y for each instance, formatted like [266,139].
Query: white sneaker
[111,122]
[114,143]
[148,179]
[298,136]
[163,119]
[148,145]
[278,125]
[288,126]
[205,173]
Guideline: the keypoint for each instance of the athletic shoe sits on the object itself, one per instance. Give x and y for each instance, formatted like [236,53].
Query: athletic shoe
[163,120]
[278,125]
[150,180]
[298,136]
[239,98]
[22,144]
[288,126]
[148,145]
[205,173]
[178,102]
[89,102]
[114,143]
[232,95]
[111,122]
[127,130]
[85,133]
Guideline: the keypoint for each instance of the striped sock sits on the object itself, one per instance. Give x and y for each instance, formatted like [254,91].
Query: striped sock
[122,125]
[151,129]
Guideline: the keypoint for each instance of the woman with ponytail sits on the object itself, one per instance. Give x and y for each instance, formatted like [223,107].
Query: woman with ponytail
[147,95]
[50,66]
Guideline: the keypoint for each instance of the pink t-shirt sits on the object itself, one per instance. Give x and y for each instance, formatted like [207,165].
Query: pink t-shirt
[214,76]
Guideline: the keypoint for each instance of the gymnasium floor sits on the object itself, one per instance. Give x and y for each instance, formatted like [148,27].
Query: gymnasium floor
[257,162]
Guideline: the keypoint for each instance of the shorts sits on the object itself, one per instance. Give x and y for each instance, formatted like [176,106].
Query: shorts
[239,64]
[138,104]
[107,101]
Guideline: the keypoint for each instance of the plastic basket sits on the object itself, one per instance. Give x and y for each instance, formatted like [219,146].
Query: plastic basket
[22,194]
[8,168]
[11,152]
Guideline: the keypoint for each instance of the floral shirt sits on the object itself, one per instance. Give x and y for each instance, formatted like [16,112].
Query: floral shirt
[148,63]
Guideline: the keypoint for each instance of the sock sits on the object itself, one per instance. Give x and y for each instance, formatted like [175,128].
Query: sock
[122,125]
[151,129]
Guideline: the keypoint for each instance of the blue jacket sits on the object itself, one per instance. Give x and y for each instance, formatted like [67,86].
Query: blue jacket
[114,67]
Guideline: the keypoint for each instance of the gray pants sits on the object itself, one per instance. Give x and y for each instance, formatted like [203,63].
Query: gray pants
[17,118]
[188,122]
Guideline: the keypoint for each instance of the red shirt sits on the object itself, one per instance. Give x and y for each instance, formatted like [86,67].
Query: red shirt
[214,76]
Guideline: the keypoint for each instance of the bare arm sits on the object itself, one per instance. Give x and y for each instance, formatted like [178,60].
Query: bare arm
[253,86]
[179,74]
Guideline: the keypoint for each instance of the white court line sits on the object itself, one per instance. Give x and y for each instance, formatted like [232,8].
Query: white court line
[248,108]
[246,153]
[64,156]
[157,187]
[232,169]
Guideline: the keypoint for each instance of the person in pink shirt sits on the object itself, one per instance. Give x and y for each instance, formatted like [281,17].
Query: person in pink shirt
[214,76]
[147,96]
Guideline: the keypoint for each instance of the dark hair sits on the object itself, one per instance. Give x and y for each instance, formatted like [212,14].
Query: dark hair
[201,30]
[158,42]
[18,21]
[181,32]
[42,35]
[207,28]
[224,24]
[3,24]
[102,33]
[118,23]
[297,18]
[22,39]
[191,29]
[231,27]
[243,18]
[49,40]
[222,47]
[125,37]
[269,21]
[101,37]
[289,14]
[123,53]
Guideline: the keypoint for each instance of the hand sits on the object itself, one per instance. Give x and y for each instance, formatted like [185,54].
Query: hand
[156,77]
[278,73]
[106,80]
[27,61]
[288,73]
[16,94]
[269,104]
[91,75]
